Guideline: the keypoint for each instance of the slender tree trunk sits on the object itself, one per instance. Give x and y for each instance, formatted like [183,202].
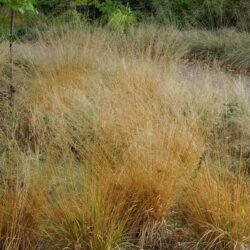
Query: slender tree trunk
[11,40]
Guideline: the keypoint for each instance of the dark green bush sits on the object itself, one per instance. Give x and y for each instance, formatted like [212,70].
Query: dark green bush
[70,16]
[202,13]
[183,13]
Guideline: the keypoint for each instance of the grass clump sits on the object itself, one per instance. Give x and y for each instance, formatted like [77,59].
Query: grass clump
[216,206]
[227,46]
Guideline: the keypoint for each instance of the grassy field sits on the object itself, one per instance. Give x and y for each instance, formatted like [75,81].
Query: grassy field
[109,146]
[227,47]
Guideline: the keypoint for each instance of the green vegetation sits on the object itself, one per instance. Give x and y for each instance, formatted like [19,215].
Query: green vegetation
[203,13]
[183,13]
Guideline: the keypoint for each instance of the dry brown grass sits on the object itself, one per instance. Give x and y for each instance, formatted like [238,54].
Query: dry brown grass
[106,138]
[217,206]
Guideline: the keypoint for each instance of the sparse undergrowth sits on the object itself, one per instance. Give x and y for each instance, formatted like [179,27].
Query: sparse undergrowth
[110,146]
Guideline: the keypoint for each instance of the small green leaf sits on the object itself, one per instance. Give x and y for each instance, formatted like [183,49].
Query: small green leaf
[21,6]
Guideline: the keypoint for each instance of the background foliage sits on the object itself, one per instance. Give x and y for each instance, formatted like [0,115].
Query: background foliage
[122,13]
[204,13]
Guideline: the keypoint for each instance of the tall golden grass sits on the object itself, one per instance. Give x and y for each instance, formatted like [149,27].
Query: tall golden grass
[109,137]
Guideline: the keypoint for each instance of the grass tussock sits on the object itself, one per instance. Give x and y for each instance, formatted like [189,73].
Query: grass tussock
[216,206]
[107,140]
[227,46]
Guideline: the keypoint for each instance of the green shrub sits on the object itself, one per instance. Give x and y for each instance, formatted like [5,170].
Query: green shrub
[205,13]
[202,13]
[121,19]
[69,16]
